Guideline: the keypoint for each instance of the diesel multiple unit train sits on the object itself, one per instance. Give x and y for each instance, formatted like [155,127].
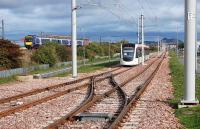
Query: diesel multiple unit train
[33,41]
[131,54]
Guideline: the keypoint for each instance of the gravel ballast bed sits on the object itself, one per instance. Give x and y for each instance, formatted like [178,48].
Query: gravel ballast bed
[41,115]
[16,88]
[152,110]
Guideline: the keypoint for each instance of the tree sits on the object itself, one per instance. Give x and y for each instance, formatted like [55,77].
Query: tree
[9,55]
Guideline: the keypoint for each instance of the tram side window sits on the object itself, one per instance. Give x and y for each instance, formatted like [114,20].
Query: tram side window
[146,52]
[138,53]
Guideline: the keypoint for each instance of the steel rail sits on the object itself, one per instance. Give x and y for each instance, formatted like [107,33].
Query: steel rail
[133,100]
[94,99]
[56,95]
[37,91]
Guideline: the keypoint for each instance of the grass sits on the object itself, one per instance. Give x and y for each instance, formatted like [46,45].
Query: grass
[189,117]
[46,70]
[92,68]
[7,80]
[82,69]
[88,69]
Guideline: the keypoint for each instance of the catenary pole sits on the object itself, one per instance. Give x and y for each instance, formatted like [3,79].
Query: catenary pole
[177,41]
[3,35]
[189,52]
[138,31]
[74,40]
[142,31]
[158,44]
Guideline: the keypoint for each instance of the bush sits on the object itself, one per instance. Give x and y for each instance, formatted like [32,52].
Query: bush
[46,54]
[9,55]
[51,53]
[94,49]
[64,53]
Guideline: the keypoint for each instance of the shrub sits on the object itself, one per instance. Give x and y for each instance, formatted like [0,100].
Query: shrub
[51,53]
[9,55]
[63,53]
[46,54]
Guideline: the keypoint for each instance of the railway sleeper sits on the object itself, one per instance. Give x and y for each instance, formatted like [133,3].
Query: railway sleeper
[93,117]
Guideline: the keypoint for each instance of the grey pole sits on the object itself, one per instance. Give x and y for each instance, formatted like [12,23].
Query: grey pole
[84,53]
[109,50]
[190,40]
[121,57]
[177,41]
[138,31]
[3,29]
[74,40]
[158,43]
[142,29]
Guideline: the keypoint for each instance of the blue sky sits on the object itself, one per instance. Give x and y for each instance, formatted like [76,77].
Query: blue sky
[95,17]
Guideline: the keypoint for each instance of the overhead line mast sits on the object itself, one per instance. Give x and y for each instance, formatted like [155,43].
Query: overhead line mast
[142,35]
[74,38]
[189,52]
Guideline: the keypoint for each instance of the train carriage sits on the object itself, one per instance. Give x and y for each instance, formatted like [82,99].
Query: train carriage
[33,41]
[131,54]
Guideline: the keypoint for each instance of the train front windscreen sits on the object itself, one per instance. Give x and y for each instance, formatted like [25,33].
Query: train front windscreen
[128,53]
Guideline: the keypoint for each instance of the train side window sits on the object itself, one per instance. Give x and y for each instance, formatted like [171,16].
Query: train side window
[45,41]
[37,41]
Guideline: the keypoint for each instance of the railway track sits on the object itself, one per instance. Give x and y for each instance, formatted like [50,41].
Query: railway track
[80,94]
[8,106]
[95,101]
[118,122]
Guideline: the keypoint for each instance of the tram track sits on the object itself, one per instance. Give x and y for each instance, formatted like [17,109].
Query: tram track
[134,98]
[7,108]
[96,98]
[72,92]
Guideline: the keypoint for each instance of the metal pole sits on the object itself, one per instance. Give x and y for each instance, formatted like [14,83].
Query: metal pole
[158,43]
[121,52]
[138,31]
[142,30]
[84,54]
[100,39]
[109,50]
[189,61]
[177,42]
[3,29]
[74,40]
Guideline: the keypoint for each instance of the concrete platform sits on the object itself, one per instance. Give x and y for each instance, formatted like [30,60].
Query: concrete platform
[24,78]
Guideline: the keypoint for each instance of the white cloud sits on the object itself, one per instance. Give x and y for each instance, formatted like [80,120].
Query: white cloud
[54,15]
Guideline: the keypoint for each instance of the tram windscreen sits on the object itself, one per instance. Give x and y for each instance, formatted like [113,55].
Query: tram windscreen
[128,53]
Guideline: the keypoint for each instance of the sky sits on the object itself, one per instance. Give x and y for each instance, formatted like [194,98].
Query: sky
[115,18]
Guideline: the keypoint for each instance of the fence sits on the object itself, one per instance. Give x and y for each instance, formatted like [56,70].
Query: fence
[18,71]
[23,71]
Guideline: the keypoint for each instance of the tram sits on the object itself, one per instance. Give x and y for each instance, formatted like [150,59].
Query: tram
[131,54]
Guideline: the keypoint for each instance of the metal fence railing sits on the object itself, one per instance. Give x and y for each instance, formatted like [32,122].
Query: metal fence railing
[24,71]
[20,71]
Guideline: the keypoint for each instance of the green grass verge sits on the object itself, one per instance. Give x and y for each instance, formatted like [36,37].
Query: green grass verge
[92,68]
[189,117]
[7,80]
[88,69]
